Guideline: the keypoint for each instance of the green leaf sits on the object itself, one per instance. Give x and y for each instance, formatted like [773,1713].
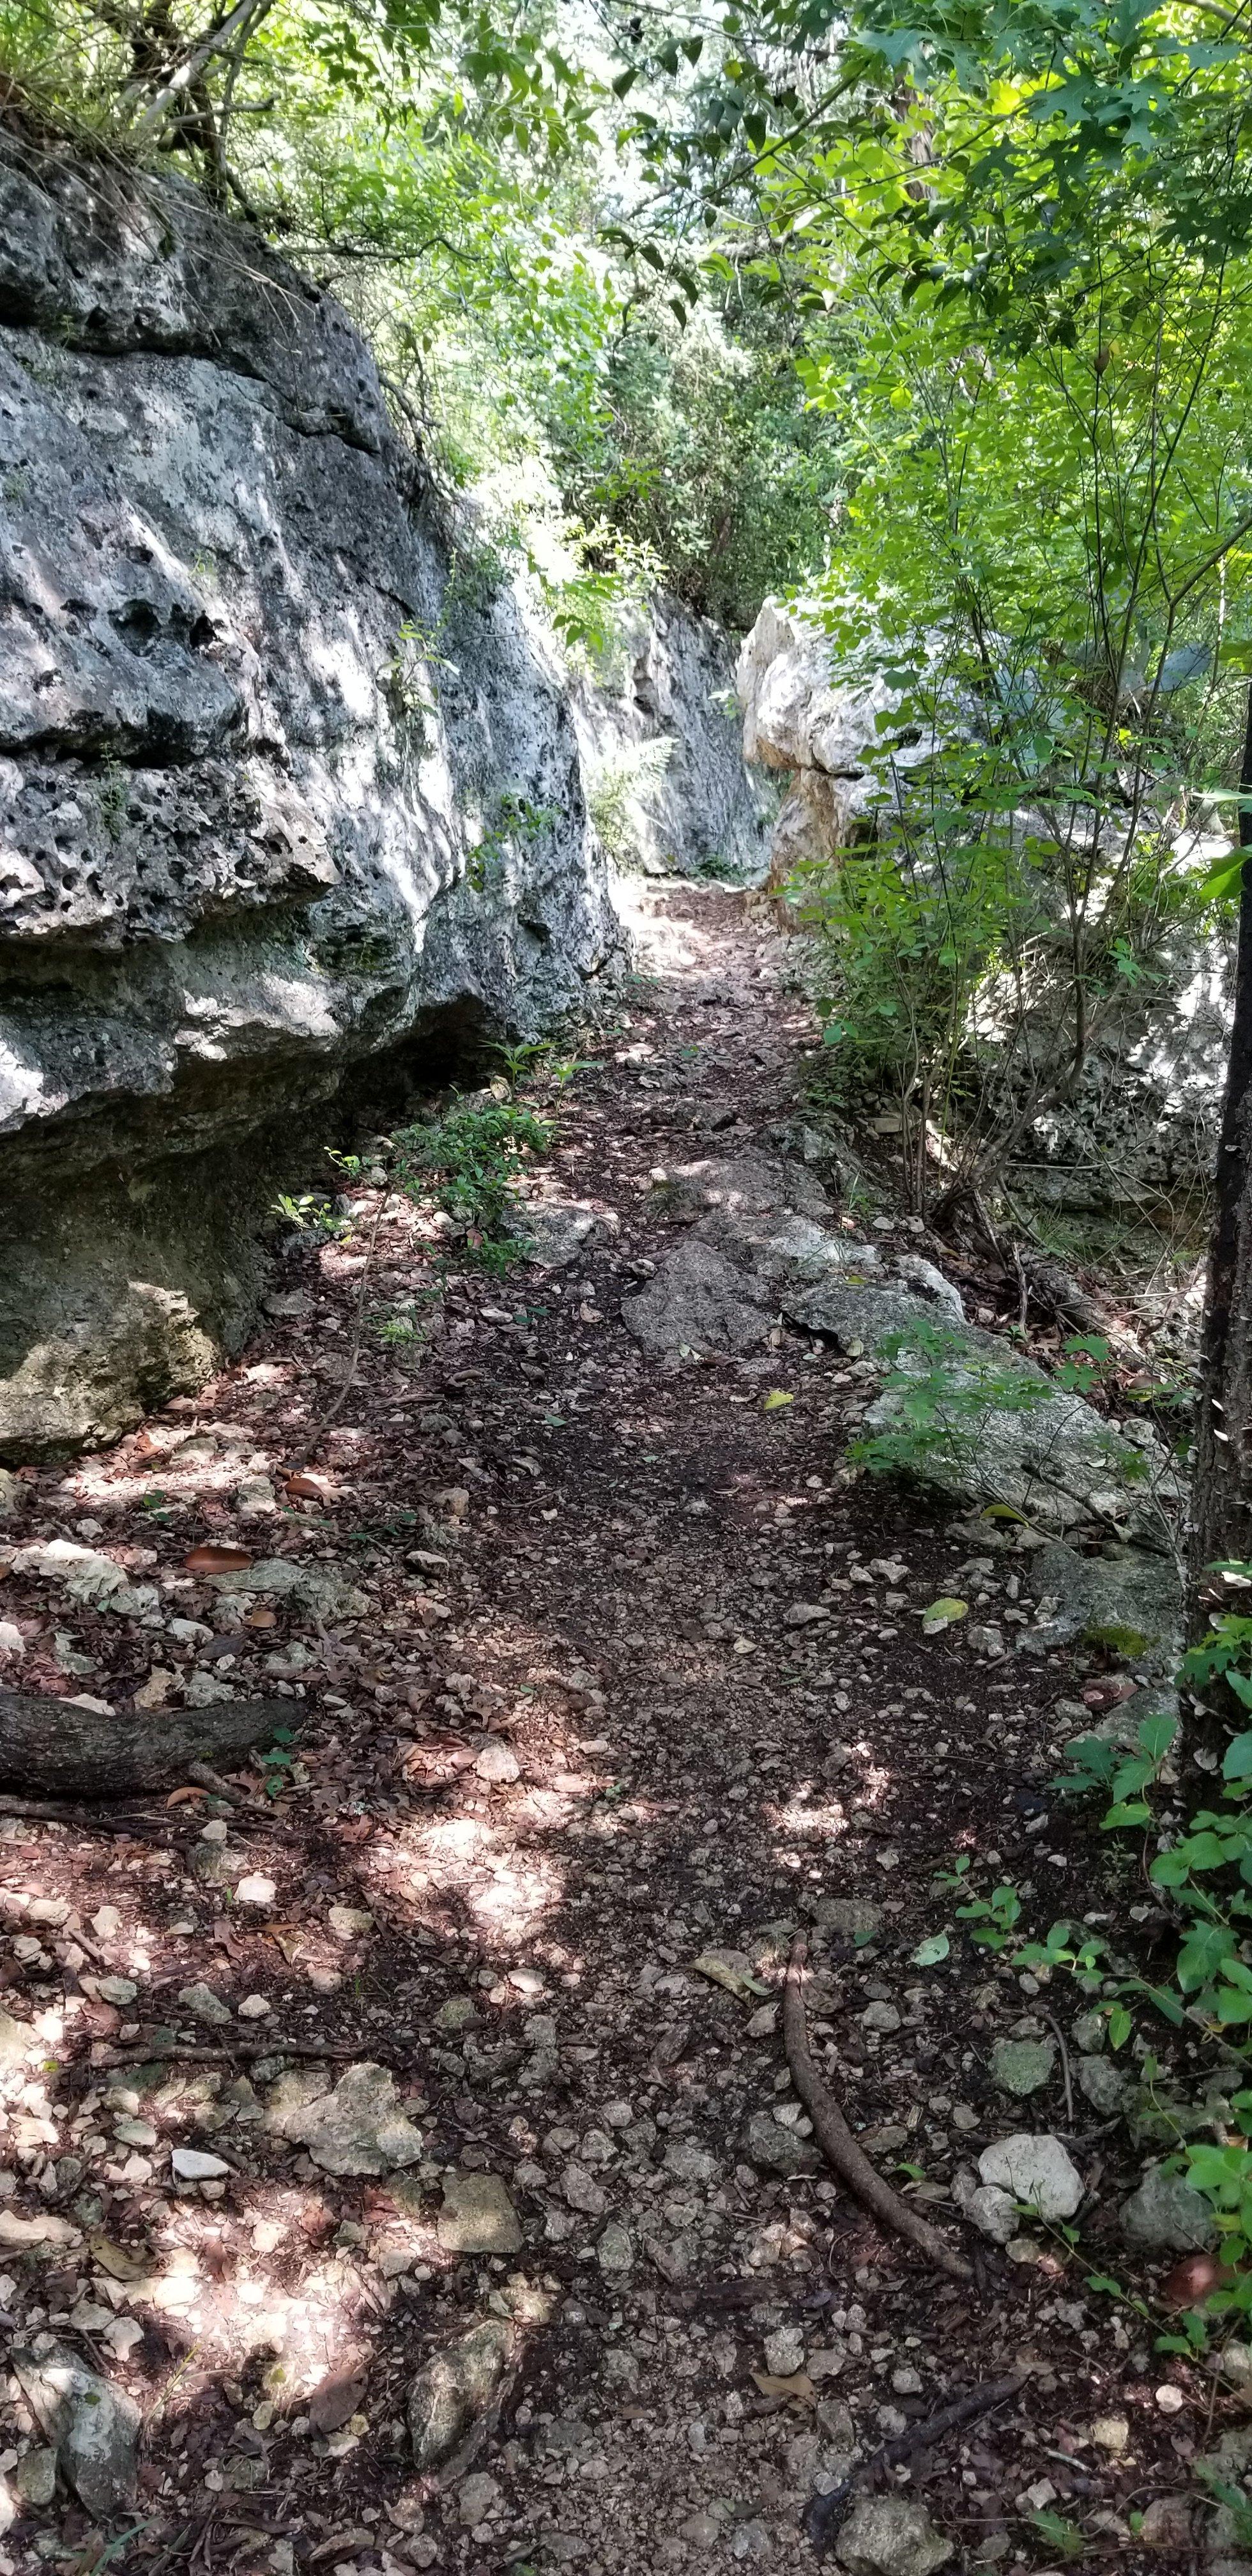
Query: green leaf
[943,1613]
[1133,1814]
[930,1951]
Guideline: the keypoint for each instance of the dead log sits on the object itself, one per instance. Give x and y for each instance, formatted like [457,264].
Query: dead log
[54,1748]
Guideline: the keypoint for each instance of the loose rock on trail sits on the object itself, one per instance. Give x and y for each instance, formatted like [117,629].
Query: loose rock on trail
[405,2137]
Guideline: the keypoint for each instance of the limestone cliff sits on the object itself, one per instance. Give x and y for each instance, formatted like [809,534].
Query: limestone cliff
[289,783]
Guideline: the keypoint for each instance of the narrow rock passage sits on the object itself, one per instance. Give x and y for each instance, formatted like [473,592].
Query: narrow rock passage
[614,1679]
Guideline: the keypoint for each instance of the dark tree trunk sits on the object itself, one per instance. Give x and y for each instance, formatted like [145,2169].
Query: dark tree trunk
[54,1748]
[1222,1506]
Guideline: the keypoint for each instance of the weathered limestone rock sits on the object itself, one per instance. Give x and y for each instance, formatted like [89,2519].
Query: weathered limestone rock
[93,2427]
[252,733]
[1036,2171]
[662,748]
[455,2388]
[891,2536]
[1166,2216]
[477,2216]
[355,2128]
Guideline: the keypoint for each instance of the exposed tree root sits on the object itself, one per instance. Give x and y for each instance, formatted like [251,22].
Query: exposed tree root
[824,2513]
[835,2138]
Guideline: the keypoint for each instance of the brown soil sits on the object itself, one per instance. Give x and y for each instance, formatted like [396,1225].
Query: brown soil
[574,1552]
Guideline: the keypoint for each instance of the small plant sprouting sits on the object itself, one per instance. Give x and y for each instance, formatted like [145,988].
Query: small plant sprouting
[311,1213]
[473,1156]
[277,1765]
[113,795]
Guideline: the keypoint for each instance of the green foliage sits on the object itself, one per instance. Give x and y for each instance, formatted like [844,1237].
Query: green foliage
[277,1764]
[622,779]
[945,1396]
[516,829]
[311,1213]
[469,1160]
[1062,2537]
[1204,1876]
[990,1919]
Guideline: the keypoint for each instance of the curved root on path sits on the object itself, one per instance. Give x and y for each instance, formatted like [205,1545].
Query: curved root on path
[835,2138]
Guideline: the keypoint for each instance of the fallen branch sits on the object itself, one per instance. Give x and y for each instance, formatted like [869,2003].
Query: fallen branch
[824,2513]
[836,2141]
[141,2051]
[72,1752]
[44,1811]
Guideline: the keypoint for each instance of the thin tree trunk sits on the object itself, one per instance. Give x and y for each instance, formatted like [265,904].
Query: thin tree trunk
[1222,1505]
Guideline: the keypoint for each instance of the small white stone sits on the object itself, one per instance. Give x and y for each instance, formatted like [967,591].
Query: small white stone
[1036,2171]
[1170,2399]
[214,1831]
[784,2352]
[498,1764]
[254,2008]
[192,2165]
[121,2335]
[256,1890]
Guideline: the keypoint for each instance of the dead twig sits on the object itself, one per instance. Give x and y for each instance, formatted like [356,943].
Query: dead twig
[141,2051]
[824,2513]
[318,1433]
[837,2143]
[205,1777]
[1059,2036]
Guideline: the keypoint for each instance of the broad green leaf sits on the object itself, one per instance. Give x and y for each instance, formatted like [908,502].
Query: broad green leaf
[930,1951]
[943,1613]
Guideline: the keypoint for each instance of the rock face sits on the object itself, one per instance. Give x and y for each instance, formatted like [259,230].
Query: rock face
[669,782]
[289,783]
[1143,1121]
[800,718]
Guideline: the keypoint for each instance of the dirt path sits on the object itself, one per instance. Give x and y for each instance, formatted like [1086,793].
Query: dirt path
[624,1675]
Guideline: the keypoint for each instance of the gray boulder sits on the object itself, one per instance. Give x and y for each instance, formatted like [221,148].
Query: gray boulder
[289,782]
[1131,1602]
[700,1300]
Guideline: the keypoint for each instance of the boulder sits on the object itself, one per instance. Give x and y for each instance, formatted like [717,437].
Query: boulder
[261,784]
[1129,1601]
